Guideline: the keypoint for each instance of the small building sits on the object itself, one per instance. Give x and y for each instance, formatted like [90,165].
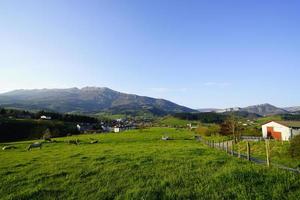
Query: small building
[117,129]
[192,126]
[281,130]
[45,117]
[78,127]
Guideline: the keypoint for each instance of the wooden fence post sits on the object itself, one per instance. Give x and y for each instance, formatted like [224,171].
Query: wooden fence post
[226,146]
[268,151]
[232,153]
[248,151]
[239,152]
[223,142]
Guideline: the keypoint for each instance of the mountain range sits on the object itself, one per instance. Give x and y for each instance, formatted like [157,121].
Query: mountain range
[88,100]
[261,109]
[93,100]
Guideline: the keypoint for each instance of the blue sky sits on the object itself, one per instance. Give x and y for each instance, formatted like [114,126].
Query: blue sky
[197,53]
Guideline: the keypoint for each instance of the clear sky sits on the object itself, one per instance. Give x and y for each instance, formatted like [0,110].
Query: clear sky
[198,53]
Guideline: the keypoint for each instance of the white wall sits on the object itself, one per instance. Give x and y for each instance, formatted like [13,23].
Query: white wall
[285,131]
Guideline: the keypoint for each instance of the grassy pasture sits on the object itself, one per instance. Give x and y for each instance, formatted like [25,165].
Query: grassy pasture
[137,165]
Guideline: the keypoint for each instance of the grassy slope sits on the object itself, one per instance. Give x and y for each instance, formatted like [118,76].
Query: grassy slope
[138,165]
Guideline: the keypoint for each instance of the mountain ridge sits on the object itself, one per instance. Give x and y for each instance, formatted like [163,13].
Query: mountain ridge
[260,109]
[87,100]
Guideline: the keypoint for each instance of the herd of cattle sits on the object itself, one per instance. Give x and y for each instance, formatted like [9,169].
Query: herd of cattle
[48,140]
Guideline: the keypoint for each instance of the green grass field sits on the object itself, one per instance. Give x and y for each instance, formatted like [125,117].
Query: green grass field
[137,165]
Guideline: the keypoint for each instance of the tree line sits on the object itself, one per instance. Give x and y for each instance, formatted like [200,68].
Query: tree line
[21,114]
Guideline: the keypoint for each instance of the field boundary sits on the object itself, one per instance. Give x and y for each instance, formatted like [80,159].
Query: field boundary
[227,146]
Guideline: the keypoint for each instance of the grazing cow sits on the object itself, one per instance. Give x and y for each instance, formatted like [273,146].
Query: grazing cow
[94,142]
[35,145]
[8,147]
[198,138]
[76,142]
[165,138]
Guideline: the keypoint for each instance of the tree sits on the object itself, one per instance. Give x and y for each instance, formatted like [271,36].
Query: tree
[2,111]
[231,127]
[294,149]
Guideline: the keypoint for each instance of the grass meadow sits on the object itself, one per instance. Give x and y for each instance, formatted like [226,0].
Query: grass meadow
[137,165]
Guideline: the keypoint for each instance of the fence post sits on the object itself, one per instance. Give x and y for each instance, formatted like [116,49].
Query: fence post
[248,151]
[226,146]
[268,152]
[223,145]
[213,144]
[232,153]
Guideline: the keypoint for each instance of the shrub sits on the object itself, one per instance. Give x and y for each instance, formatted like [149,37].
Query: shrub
[202,130]
[213,129]
[47,134]
[295,147]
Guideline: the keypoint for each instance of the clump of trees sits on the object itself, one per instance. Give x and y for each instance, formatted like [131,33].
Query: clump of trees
[231,127]
[16,129]
[294,149]
[202,117]
[291,117]
[21,114]
[67,117]
[209,130]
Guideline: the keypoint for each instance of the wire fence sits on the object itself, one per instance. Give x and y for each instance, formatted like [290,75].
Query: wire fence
[229,147]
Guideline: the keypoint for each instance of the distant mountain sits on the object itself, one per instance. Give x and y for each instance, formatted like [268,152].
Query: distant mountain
[295,109]
[88,100]
[265,109]
[259,110]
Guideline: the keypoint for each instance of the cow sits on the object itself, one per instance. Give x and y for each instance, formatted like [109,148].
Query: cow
[8,147]
[35,145]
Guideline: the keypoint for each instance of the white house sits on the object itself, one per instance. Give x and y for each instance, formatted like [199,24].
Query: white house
[78,127]
[281,130]
[45,117]
[117,129]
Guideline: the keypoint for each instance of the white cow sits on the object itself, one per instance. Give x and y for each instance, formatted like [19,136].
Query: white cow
[8,147]
[35,145]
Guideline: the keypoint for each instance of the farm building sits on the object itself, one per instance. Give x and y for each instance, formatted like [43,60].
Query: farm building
[281,130]
[117,129]
[45,117]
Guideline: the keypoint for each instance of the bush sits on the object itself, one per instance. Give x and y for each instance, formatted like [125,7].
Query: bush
[213,129]
[295,147]
[202,130]
[47,134]
[209,130]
